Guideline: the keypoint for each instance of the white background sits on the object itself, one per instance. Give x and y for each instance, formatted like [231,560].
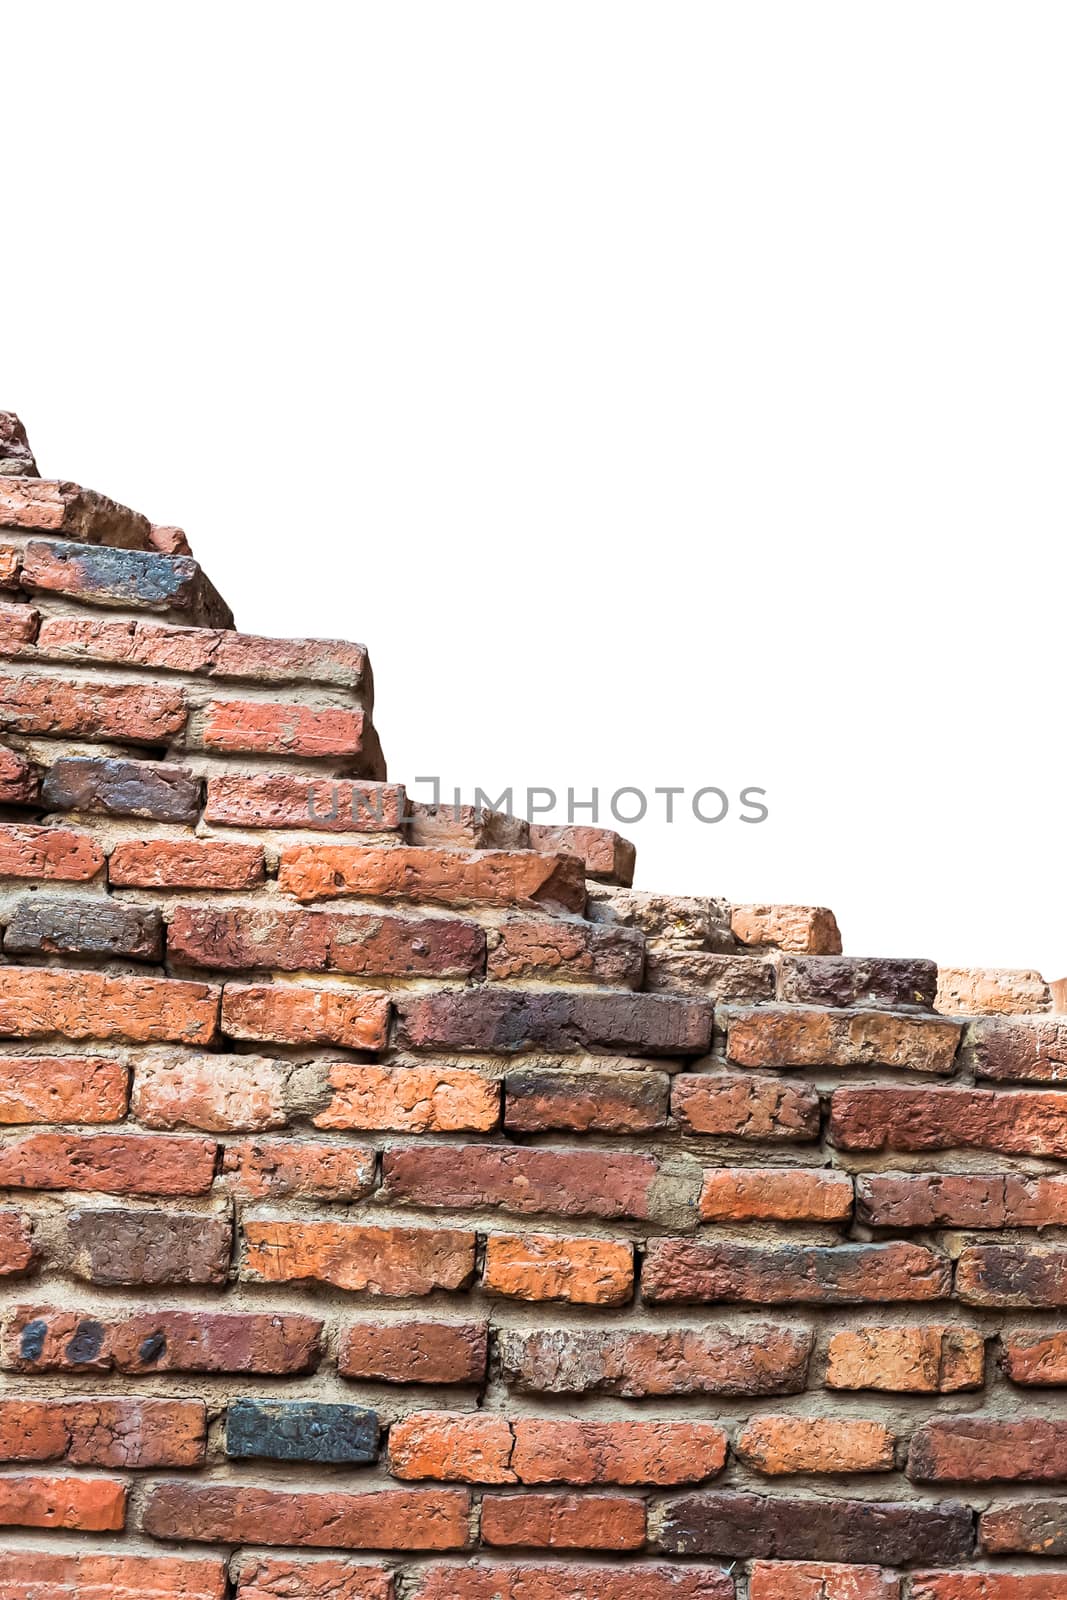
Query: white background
[666,394]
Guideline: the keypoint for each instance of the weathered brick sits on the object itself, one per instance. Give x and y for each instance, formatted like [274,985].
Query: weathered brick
[991,991]
[961,1200]
[44,1339]
[44,1575]
[925,1359]
[1026,1527]
[382,1519]
[242,938]
[775,1194]
[809,1529]
[744,1106]
[1012,1275]
[540,1100]
[301,1430]
[988,1450]
[291,1013]
[20,781]
[121,713]
[377,1261]
[91,1505]
[37,1003]
[104,1433]
[281,1169]
[86,925]
[57,853]
[685,1270]
[460,826]
[820,1580]
[669,922]
[480,1447]
[287,800]
[753,1360]
[281,728]
[215,1093]
[510,1020]
[1034,1357]
[600,1183]
[279,1578]
[51,505]
[421,1098]
[414,1352]
[807,930]
[564,1521]
[783,1445]
[1018,1049]
[605,855]
[726,979]
[170,541]
[802,1036]
[18,1252]
[62,1089]
[16,457]
[138,579]
[148,1247]
[573,952]
[185,864]
[115,787]
[446,877]
[108,1163]
[479,1581]
[10,566]
[1028,1122]
[543,1266]
[989,1586]
[18,628]
[843,981]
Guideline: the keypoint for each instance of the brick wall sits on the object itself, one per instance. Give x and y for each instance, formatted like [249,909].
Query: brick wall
[397,1203]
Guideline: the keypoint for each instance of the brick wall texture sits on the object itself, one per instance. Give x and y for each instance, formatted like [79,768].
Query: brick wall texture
[399,1206]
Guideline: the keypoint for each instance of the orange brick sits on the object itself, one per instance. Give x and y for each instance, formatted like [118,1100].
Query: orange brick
[778,1445]
[92,1505]
[410,1099]
[58,853]
[186,864]
[381,1261]
[17,1250]
[108,1163]
[564,1521]
[446,877]
[542,1266]
[37,1003]
[44,1575]
[277,1578]
[292,1013]
[815,1580]
[215,1093]
[129,713]
[283,728]
[276,1169]
[803,1036]
[62,1089]
[104,1433]
[775,1194]
[927,1359]
[380,1519]
[807,930]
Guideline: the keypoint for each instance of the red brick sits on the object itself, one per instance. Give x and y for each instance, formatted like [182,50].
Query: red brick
[543,1266]
[290,1013]
[757,1359]
[480,1447]
[20,780]
[91,1505]
[961,1200]
[243,938]
[59,853]
[277,1578]
[17,1250]
[743,1106]
[605,855]
[808,930]
[44,1575]
[49,505]
[540,1100]
[784,1445]
[564,1521]
[1024,1122]
[185,864]
[446,877]
[283,728]
[62,1089]
[1035,1357]
[801,1036]
[775,1194]
[582,1582]
[816,1580]
[148,1247]
[276,1169]
[43,1339]
[108,1163]
[1011,1275]
[925,1359]
[18,628]
[377,1261]
[1024,1527]
[122,713]
[560,1020]
[989,1586]
[104,1433]
[38,1003]
[988,1450]
[409,1099]
[684,1270]
[286,800]
[571,952]
[414,1352]
[10,566]
[214,1093]
[382,1519]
